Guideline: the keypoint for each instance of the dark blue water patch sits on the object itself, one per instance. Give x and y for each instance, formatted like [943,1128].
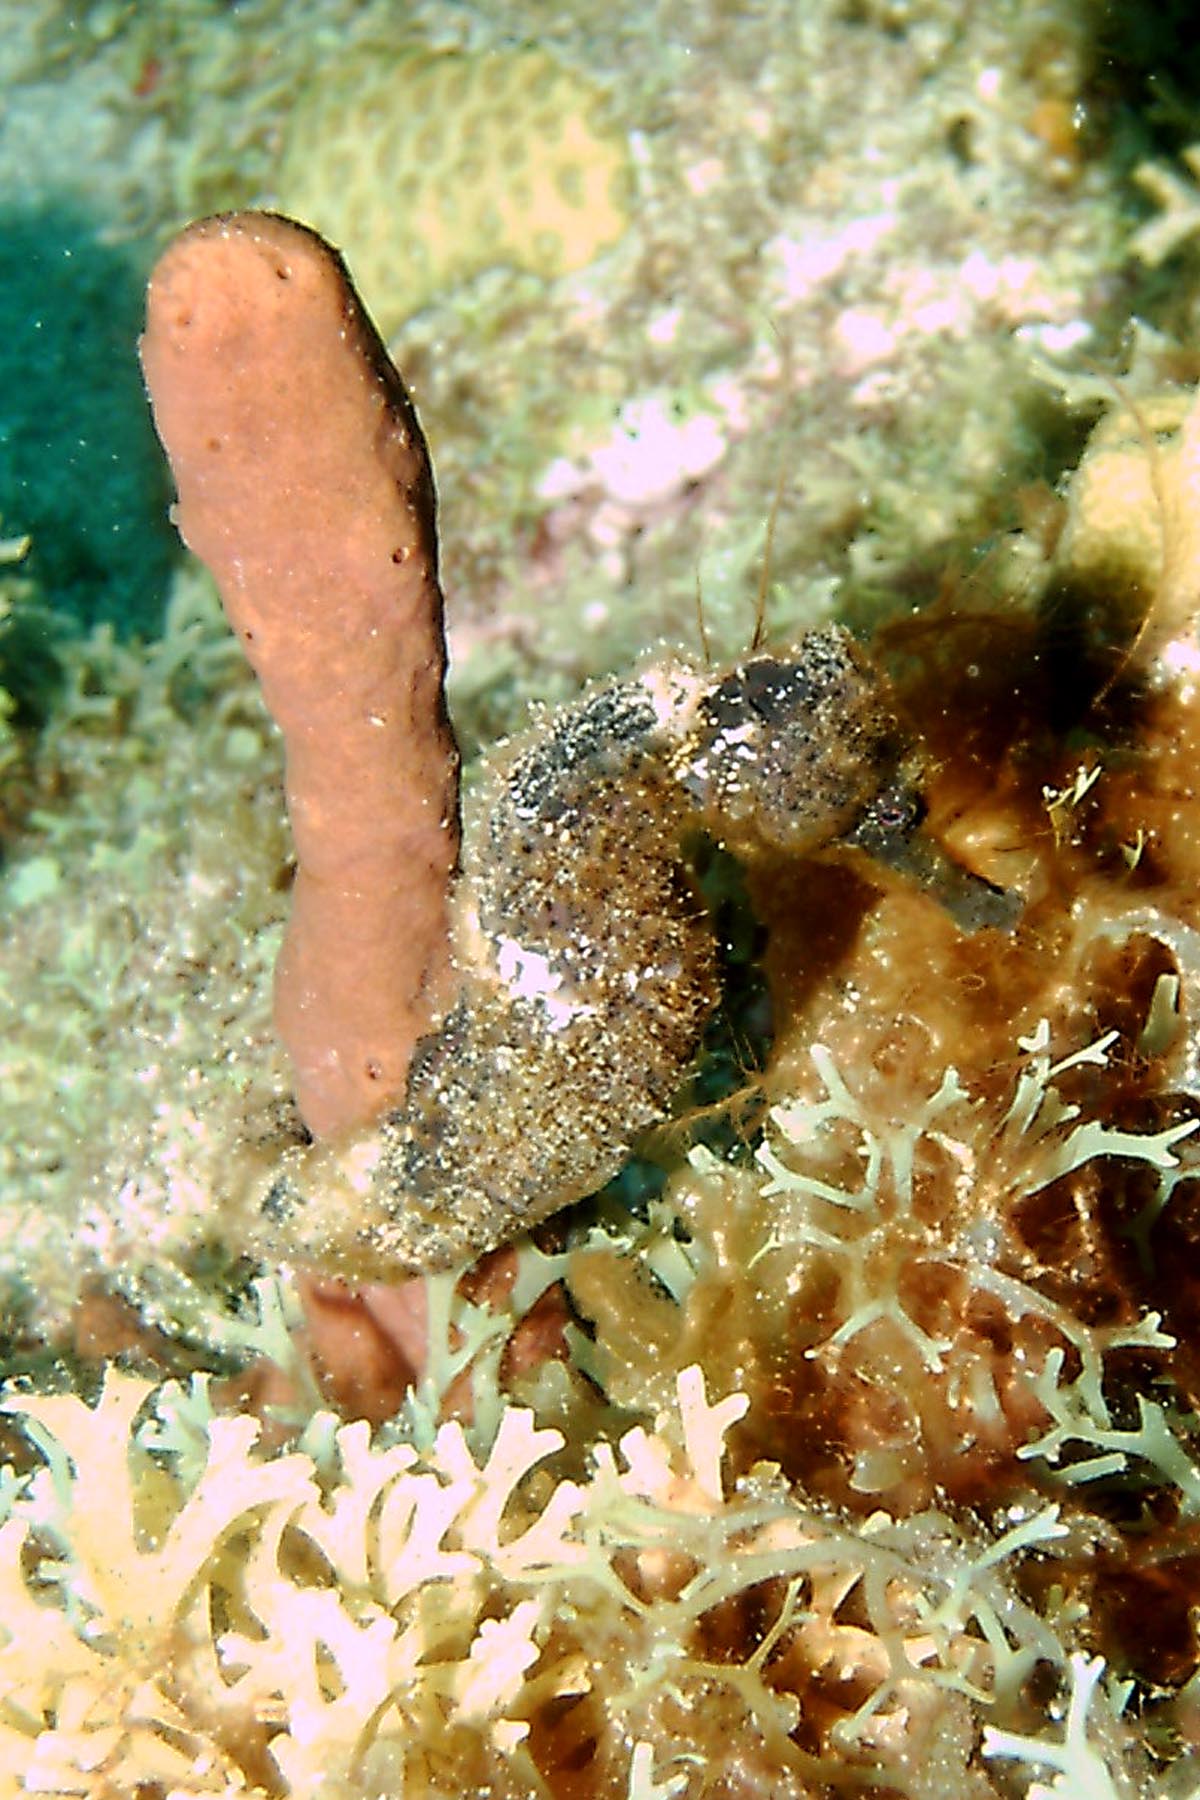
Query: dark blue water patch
[1140,77]
[80,468]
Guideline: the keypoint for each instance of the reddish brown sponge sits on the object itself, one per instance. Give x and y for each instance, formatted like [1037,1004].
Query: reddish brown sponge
[304,484]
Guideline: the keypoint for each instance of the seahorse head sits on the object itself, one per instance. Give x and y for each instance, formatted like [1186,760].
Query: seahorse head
[787,752]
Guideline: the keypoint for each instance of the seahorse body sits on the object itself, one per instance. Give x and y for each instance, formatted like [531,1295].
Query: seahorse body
[583,956]
[587,962]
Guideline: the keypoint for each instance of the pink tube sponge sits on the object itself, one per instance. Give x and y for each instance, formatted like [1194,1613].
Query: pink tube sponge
[305,485]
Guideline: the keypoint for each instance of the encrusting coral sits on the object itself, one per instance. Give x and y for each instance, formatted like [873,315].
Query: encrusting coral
[502,156]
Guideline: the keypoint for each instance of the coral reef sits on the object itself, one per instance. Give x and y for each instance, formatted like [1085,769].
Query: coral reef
[847,249]
[848,1443]
[939,1283]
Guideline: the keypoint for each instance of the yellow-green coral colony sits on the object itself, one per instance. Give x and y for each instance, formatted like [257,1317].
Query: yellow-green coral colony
[430,167]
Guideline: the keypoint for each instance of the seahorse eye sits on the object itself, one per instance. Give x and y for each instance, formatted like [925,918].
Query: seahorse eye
[897,809]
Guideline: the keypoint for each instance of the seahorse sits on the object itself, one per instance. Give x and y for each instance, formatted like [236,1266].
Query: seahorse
[586,956]
[584,966]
